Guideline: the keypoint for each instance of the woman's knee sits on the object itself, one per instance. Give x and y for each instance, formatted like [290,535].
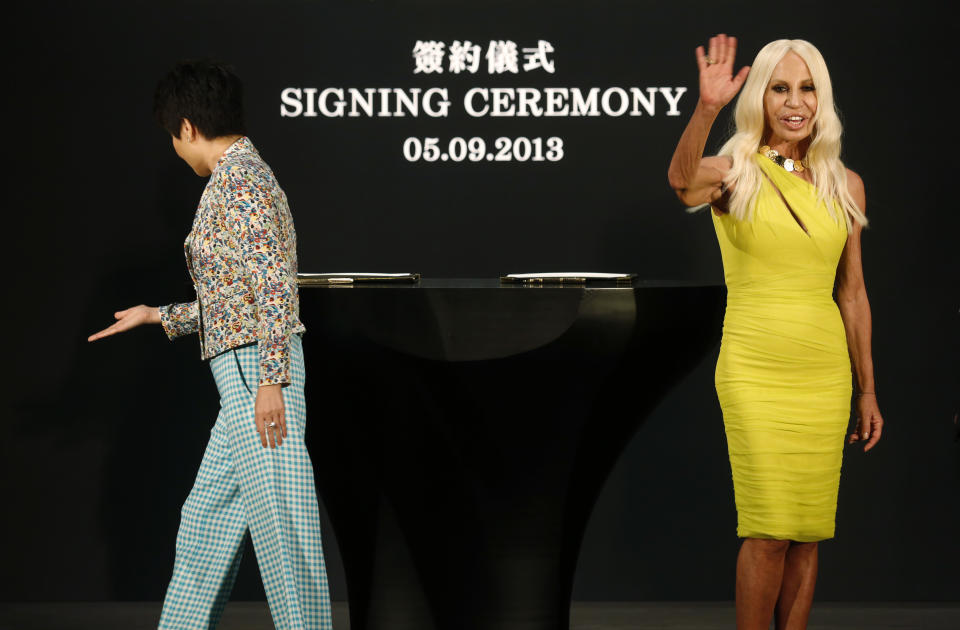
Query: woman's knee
[768,546]
[803,547]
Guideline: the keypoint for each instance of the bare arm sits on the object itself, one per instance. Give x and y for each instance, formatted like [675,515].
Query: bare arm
[696,179]
[857,321]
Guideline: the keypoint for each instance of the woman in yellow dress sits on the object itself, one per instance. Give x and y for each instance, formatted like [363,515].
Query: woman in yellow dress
[788,216]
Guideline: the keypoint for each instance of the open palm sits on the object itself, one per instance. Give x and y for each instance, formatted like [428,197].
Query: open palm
[127,319]
[718,85]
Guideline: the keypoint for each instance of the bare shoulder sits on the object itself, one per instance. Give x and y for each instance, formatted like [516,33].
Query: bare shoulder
[855,188]
[854,181]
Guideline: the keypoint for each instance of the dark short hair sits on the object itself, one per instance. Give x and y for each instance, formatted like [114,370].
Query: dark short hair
[206,93]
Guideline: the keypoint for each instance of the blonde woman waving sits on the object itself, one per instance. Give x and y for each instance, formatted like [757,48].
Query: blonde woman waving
[788,216]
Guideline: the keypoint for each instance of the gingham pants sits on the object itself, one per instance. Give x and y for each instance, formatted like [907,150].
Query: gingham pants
[242,485]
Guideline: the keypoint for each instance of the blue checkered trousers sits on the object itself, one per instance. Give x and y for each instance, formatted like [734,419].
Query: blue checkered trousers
[243,485]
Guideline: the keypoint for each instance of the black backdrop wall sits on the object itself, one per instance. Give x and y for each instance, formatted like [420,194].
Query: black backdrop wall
[102,442]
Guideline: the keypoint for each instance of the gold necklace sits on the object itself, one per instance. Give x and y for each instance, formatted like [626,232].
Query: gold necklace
[787,164]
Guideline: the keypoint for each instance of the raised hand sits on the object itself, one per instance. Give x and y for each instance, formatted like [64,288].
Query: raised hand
[718,85]
[127,319]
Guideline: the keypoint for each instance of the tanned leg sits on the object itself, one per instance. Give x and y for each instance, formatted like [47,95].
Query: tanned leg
[759,576]
[796,593]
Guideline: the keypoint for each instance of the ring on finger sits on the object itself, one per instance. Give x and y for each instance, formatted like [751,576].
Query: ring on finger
[710,60]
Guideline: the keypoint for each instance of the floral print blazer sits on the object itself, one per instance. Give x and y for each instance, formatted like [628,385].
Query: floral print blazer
[242,257]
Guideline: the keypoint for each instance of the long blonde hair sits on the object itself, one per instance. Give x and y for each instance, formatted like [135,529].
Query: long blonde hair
[823,154]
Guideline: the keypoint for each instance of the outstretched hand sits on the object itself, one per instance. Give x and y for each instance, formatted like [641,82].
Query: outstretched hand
[718,85]
[127,319]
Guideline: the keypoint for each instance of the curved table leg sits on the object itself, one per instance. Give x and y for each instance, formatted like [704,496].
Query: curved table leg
[460,490]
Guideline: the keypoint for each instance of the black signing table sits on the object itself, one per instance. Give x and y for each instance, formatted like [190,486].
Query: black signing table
[461,431]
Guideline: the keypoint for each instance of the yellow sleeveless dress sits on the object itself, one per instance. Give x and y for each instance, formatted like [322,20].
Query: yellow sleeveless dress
[783,377]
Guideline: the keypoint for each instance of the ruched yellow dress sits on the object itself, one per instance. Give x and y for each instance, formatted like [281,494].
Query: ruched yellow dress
[783,377]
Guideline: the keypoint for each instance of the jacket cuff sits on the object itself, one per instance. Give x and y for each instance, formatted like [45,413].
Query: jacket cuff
[274,361]
[179,319]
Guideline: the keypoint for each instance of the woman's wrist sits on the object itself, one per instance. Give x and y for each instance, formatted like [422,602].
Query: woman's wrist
[865,386]
[710,110]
